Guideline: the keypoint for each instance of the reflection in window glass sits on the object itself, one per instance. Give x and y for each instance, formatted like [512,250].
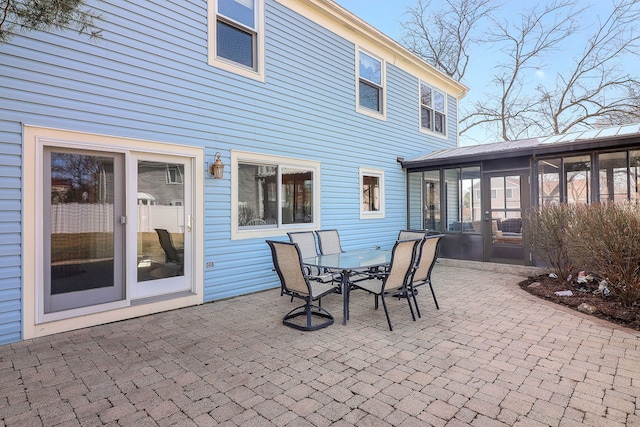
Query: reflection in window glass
[370,69]
[414,198]
[370,193]
[471,206]
[240,11]
[613,177]
[260,205]
[432,109]
[577,171]
[463,206]
[452,199]
[235,44]
[370,82]
[81,251]
[236,32]
[432,200]
[160,220]
[297,200]
[257,195]
[549,182]
[634,176]
[369,96]
[174,174]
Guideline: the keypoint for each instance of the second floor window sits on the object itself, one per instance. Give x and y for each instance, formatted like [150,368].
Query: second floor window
[432,109]
[238,42]
[370,83]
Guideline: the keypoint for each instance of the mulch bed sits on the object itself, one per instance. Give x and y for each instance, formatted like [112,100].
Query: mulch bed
[608,308]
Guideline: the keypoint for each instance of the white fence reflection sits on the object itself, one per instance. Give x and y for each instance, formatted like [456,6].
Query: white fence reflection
[89,218]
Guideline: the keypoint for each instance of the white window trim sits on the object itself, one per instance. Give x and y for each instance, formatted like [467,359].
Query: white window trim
[446,115]
[238,157]
[222,63]
[382,115]
[372,214]
[34,140]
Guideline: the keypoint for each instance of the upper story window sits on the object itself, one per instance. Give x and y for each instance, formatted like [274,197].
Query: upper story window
[371,82]
[273,193]
[371,193]
[237,36]
[432,109]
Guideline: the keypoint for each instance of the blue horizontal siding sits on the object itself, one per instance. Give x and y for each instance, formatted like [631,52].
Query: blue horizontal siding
[10,231]
[148,78]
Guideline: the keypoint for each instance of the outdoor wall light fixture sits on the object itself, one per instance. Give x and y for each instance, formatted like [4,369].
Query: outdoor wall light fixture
[217,168]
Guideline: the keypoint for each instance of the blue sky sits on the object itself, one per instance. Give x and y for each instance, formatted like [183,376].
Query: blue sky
[387,16]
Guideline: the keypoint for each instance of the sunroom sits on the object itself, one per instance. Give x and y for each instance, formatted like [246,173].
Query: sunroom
[477,196]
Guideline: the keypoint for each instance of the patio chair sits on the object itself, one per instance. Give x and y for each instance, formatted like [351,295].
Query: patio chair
[172,255]
[306,241]
[288,264]
[396,279]
[411,234]
[427,256]
[329,242]
[256,221]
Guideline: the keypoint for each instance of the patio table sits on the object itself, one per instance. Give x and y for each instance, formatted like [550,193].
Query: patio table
[347,263]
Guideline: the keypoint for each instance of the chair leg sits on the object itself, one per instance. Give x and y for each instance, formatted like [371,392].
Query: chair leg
[434,296]
[307,309]
[415,301]
[386,312]
[406,293]
[323,316]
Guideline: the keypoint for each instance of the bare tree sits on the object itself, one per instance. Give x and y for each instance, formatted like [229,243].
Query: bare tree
[444,37]
[42,15]
[524,43]
[598,90]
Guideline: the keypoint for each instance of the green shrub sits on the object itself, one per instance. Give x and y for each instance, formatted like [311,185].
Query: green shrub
[605,241]
[548,229]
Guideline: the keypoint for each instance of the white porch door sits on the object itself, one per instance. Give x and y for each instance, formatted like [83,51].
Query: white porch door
[161,222]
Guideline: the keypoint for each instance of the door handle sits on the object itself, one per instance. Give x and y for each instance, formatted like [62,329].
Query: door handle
[189,220]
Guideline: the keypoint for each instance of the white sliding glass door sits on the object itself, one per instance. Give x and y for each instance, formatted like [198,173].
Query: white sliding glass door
[116,228]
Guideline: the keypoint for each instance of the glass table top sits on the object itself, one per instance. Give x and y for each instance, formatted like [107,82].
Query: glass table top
[351,260]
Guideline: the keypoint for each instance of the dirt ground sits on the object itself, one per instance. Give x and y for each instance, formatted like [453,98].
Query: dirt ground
[608,308]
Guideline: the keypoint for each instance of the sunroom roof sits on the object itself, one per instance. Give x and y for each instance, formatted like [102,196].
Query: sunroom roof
[531,146]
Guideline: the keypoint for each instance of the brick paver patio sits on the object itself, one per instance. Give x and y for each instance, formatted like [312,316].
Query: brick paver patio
[491,356]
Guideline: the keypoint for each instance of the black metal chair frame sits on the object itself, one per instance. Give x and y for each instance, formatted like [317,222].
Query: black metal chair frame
[403,288]
[314,273]
[423,270]
[306,290]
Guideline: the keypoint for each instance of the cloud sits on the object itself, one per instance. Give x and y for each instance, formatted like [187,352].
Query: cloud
[539,74]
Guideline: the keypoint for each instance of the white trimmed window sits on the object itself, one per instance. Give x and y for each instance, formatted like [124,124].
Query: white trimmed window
[370,87]
[433,107]
[272,193]
[371,193]
[236,36]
